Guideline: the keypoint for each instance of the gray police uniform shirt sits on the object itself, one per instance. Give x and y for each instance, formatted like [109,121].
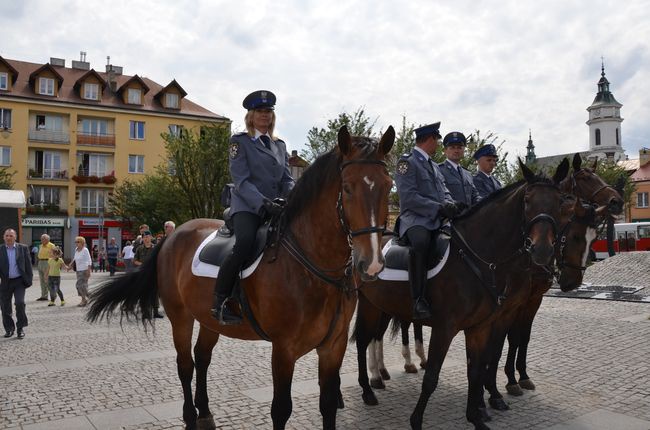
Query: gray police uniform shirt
[486,185]
[257,172]
[460,184]
[421,191]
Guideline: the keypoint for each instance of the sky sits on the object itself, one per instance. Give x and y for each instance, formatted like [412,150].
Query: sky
[504,66]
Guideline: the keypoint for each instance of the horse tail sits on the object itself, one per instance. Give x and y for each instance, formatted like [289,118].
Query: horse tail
[395,327]
[135,293]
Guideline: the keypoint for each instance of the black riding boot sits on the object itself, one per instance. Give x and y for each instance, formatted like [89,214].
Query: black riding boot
[222,291]
[418,280]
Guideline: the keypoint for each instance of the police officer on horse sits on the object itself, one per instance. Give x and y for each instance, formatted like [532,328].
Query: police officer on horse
[423,198]
[486,160]
[458,180]
[259,167]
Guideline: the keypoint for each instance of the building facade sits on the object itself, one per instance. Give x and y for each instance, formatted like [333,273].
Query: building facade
[640,205]
[72,133]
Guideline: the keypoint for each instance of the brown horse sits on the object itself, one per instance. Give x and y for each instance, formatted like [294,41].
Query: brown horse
[301,293]
[509,230]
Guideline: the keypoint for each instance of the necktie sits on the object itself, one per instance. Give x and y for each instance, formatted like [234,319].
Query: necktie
[460,172]
[266,141]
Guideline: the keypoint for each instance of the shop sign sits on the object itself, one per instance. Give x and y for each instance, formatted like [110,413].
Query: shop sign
[43,222]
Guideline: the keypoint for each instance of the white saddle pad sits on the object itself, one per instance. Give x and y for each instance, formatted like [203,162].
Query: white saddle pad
[403,275]
[199,268]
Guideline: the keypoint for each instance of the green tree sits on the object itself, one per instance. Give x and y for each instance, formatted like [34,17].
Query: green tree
[6,179]
[321,140]
[612,173]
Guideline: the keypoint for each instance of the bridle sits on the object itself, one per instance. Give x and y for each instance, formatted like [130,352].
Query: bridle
[575,186]
[589,221]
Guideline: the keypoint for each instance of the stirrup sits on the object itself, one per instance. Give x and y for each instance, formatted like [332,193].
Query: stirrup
[225,316]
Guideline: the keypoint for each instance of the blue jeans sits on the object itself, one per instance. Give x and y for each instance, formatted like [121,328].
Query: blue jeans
[54,282]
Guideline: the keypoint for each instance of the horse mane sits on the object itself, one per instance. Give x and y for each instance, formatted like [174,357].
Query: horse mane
[324,169]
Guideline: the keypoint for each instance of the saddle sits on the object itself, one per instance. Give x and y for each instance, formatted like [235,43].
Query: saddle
[397,256]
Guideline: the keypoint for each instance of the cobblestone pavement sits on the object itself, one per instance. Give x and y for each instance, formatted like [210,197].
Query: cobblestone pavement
[588,358]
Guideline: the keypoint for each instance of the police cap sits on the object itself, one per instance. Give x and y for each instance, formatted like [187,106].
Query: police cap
[454,138]
[261,99]
[485,150]
[428,130]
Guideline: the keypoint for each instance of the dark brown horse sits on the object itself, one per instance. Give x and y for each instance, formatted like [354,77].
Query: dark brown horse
[509,230]
[300,294]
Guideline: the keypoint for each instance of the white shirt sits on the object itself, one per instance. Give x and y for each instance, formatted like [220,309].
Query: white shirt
[273,146]
[454,165]
[423,152]
[82,259]
[128,252]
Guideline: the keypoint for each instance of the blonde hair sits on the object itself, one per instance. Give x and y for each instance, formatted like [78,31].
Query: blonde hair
[83,241]
[248,119]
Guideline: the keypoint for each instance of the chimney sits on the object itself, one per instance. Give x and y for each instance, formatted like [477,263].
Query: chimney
[81,64]
[644,156]
[57,62]
[294,153]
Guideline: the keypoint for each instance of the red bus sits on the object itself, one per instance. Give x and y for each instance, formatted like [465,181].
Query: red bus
[630,236]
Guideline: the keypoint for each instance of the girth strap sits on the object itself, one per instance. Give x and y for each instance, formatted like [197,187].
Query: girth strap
[248,313]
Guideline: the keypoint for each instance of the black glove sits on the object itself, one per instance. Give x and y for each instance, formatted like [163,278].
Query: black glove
[272,208]
[449,210]
[461,206]
[279,200]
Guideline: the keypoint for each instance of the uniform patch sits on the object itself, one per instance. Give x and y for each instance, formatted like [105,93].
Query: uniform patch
[234,150]
[402,167]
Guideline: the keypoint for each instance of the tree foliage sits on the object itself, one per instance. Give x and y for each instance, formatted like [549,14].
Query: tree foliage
[6,179]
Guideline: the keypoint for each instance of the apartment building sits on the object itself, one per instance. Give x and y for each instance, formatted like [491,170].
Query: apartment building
[73,133]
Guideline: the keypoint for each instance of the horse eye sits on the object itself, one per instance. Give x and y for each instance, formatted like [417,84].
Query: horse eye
[347,189]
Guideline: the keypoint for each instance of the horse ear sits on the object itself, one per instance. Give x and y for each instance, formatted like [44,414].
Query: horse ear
[345,141]
[577,161]
[386,142]
[529,176]
[561,171]
[595,165]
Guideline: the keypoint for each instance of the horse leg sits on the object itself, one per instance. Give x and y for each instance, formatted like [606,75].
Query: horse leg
[379,348]
[282,364]
[367,319]
[512,387]
[477,347]
[524,379]
[330,358]
[203,355]
[496,399]
[182,333]
[419,344]
[376,380]
[409,367]
[438,347]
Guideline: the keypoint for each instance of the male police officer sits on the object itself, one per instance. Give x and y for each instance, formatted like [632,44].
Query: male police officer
[423,198]
[486,160]
[458,180]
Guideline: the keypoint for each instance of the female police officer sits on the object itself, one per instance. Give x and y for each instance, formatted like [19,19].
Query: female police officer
[259,166]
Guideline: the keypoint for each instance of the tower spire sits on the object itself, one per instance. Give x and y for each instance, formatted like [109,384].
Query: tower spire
[602,66]
[530,149]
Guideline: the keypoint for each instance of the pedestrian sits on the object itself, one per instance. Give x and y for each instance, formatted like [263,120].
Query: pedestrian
[141,256]
[34,254]
[486,160]
[112,253]
[139,239]
[458,180]
[15,277]
[169,227]
[127,256]
[43,255]
[259,167]
[101,259]
[55,263]
[82,264]
[95,258]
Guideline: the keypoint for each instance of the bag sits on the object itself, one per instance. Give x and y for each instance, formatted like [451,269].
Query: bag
[226,195]
[74,265]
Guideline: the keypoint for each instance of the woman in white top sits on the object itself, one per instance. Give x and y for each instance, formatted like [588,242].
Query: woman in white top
[83,264]
[127,256]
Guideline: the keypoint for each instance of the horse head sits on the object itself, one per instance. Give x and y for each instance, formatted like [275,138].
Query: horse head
[363,201]
[587,185]
[542,198]
[579,229]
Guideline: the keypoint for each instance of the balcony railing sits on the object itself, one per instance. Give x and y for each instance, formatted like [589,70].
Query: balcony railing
[48,174]
[49,136]
[47,209]
[95,139]
[84,178]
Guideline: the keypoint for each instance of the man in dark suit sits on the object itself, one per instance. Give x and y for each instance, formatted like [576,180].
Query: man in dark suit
[457,179]
[486,160]
[15,276]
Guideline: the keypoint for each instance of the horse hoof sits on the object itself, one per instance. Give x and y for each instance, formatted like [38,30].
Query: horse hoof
[206,423]
[485,416]
[499,404]
[527,384]
[384,374]
[410,368]
[423,364]
[377,383]
[369,399]
[514,390]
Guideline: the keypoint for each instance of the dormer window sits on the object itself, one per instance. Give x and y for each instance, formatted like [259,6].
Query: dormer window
[46,86]
[171,100]
[91,91]
[4,81]
[135,96]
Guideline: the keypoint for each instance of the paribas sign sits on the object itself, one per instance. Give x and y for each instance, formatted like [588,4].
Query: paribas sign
[43,222]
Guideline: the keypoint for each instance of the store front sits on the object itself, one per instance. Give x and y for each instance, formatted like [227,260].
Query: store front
[35,227]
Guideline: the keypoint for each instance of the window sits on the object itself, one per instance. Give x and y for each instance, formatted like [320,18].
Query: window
[91,91]
[136,163]
[5,156]
[5,118]
[618,137]
[46,86]
[93,165]
[136,130]
[42,196]
[92,201]
[176,130]
[597,136]
[51,164]
[134,96]
[94,127]
[49,122]
[641,200]
[171,100]
[4,81]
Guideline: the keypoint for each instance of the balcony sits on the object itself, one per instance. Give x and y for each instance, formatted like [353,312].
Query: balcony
[92,212]
[84,178]
[47,209]
[49,136]
[60,175]
[95,139]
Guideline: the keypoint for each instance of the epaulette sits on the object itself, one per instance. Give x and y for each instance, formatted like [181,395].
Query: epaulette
[406,155]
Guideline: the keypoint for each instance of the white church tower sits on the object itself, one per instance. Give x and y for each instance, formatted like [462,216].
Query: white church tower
[605,123]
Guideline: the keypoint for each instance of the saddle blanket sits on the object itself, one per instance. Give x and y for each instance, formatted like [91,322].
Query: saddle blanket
[200,268]
[389,274]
